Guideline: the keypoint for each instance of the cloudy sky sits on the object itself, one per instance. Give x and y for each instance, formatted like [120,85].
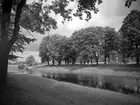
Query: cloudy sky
[111,13]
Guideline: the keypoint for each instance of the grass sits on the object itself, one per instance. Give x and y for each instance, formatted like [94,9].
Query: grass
[116,67]
[33,90]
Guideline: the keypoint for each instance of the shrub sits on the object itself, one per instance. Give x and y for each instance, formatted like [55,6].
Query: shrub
[21,66]
[30,60]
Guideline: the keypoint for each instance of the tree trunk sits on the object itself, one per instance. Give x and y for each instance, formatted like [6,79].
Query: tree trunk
[4,47]
[87,61]
[137,55]
[81,62]
[48,62]
[84,62]
[73,62]
[123,59]
[96,58]
[59,62]
[96,61]
[91,61]
[108,59]
[3,61]
[53,62]
[137,60]
[105,59]
[65,62]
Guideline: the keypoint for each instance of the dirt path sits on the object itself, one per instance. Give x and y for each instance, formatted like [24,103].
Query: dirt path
[32,90]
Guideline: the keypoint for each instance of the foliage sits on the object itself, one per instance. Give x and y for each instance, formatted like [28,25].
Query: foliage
[30,60]
[35,17]
[55,48]
[21,66]
[109,44]
[84,45]
[129,2]
[130,35]
[87,43]
[82,7]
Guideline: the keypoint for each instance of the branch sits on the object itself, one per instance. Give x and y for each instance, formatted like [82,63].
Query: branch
[16,23]
[26,29]
[33,13]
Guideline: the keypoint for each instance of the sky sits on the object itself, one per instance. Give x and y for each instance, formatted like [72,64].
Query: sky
[111,13]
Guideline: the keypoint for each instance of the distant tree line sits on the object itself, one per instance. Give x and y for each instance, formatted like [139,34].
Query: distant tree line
[84,46]
[94,44]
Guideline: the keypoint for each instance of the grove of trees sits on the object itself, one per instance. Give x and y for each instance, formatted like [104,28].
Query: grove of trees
[85,45]
[95,44]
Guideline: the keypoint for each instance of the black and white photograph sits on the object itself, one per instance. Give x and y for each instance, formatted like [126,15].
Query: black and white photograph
[69,52]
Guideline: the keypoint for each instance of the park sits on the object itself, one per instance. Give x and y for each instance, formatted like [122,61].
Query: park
[88,54]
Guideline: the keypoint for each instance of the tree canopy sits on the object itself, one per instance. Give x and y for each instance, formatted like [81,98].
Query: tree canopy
[130,35]
[30,60]
[85,45]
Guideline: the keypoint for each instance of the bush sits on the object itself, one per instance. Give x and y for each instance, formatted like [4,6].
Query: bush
[30,60]
[21,66]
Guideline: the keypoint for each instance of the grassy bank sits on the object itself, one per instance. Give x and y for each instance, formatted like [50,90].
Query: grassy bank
[32,90]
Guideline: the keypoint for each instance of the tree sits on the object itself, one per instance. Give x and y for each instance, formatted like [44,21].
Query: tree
[30,60]
[109,44]
[130,34]
[44,50]
[69,53]
[54,48]
[87,43]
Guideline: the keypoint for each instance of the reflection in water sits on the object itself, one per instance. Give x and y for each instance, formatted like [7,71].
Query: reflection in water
[121,84]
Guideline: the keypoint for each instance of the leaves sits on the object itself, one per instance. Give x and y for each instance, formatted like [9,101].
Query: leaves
[130,34]
[129,2]
[30,60]
[56,47]
[83,7]
[36,19]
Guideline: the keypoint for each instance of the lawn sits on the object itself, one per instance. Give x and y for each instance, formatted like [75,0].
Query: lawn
[26,89]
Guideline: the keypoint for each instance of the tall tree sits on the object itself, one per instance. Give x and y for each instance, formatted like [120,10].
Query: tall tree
[44,51]
[54,48]
[87,43]
[6,45]
[130,34]
[109,44]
